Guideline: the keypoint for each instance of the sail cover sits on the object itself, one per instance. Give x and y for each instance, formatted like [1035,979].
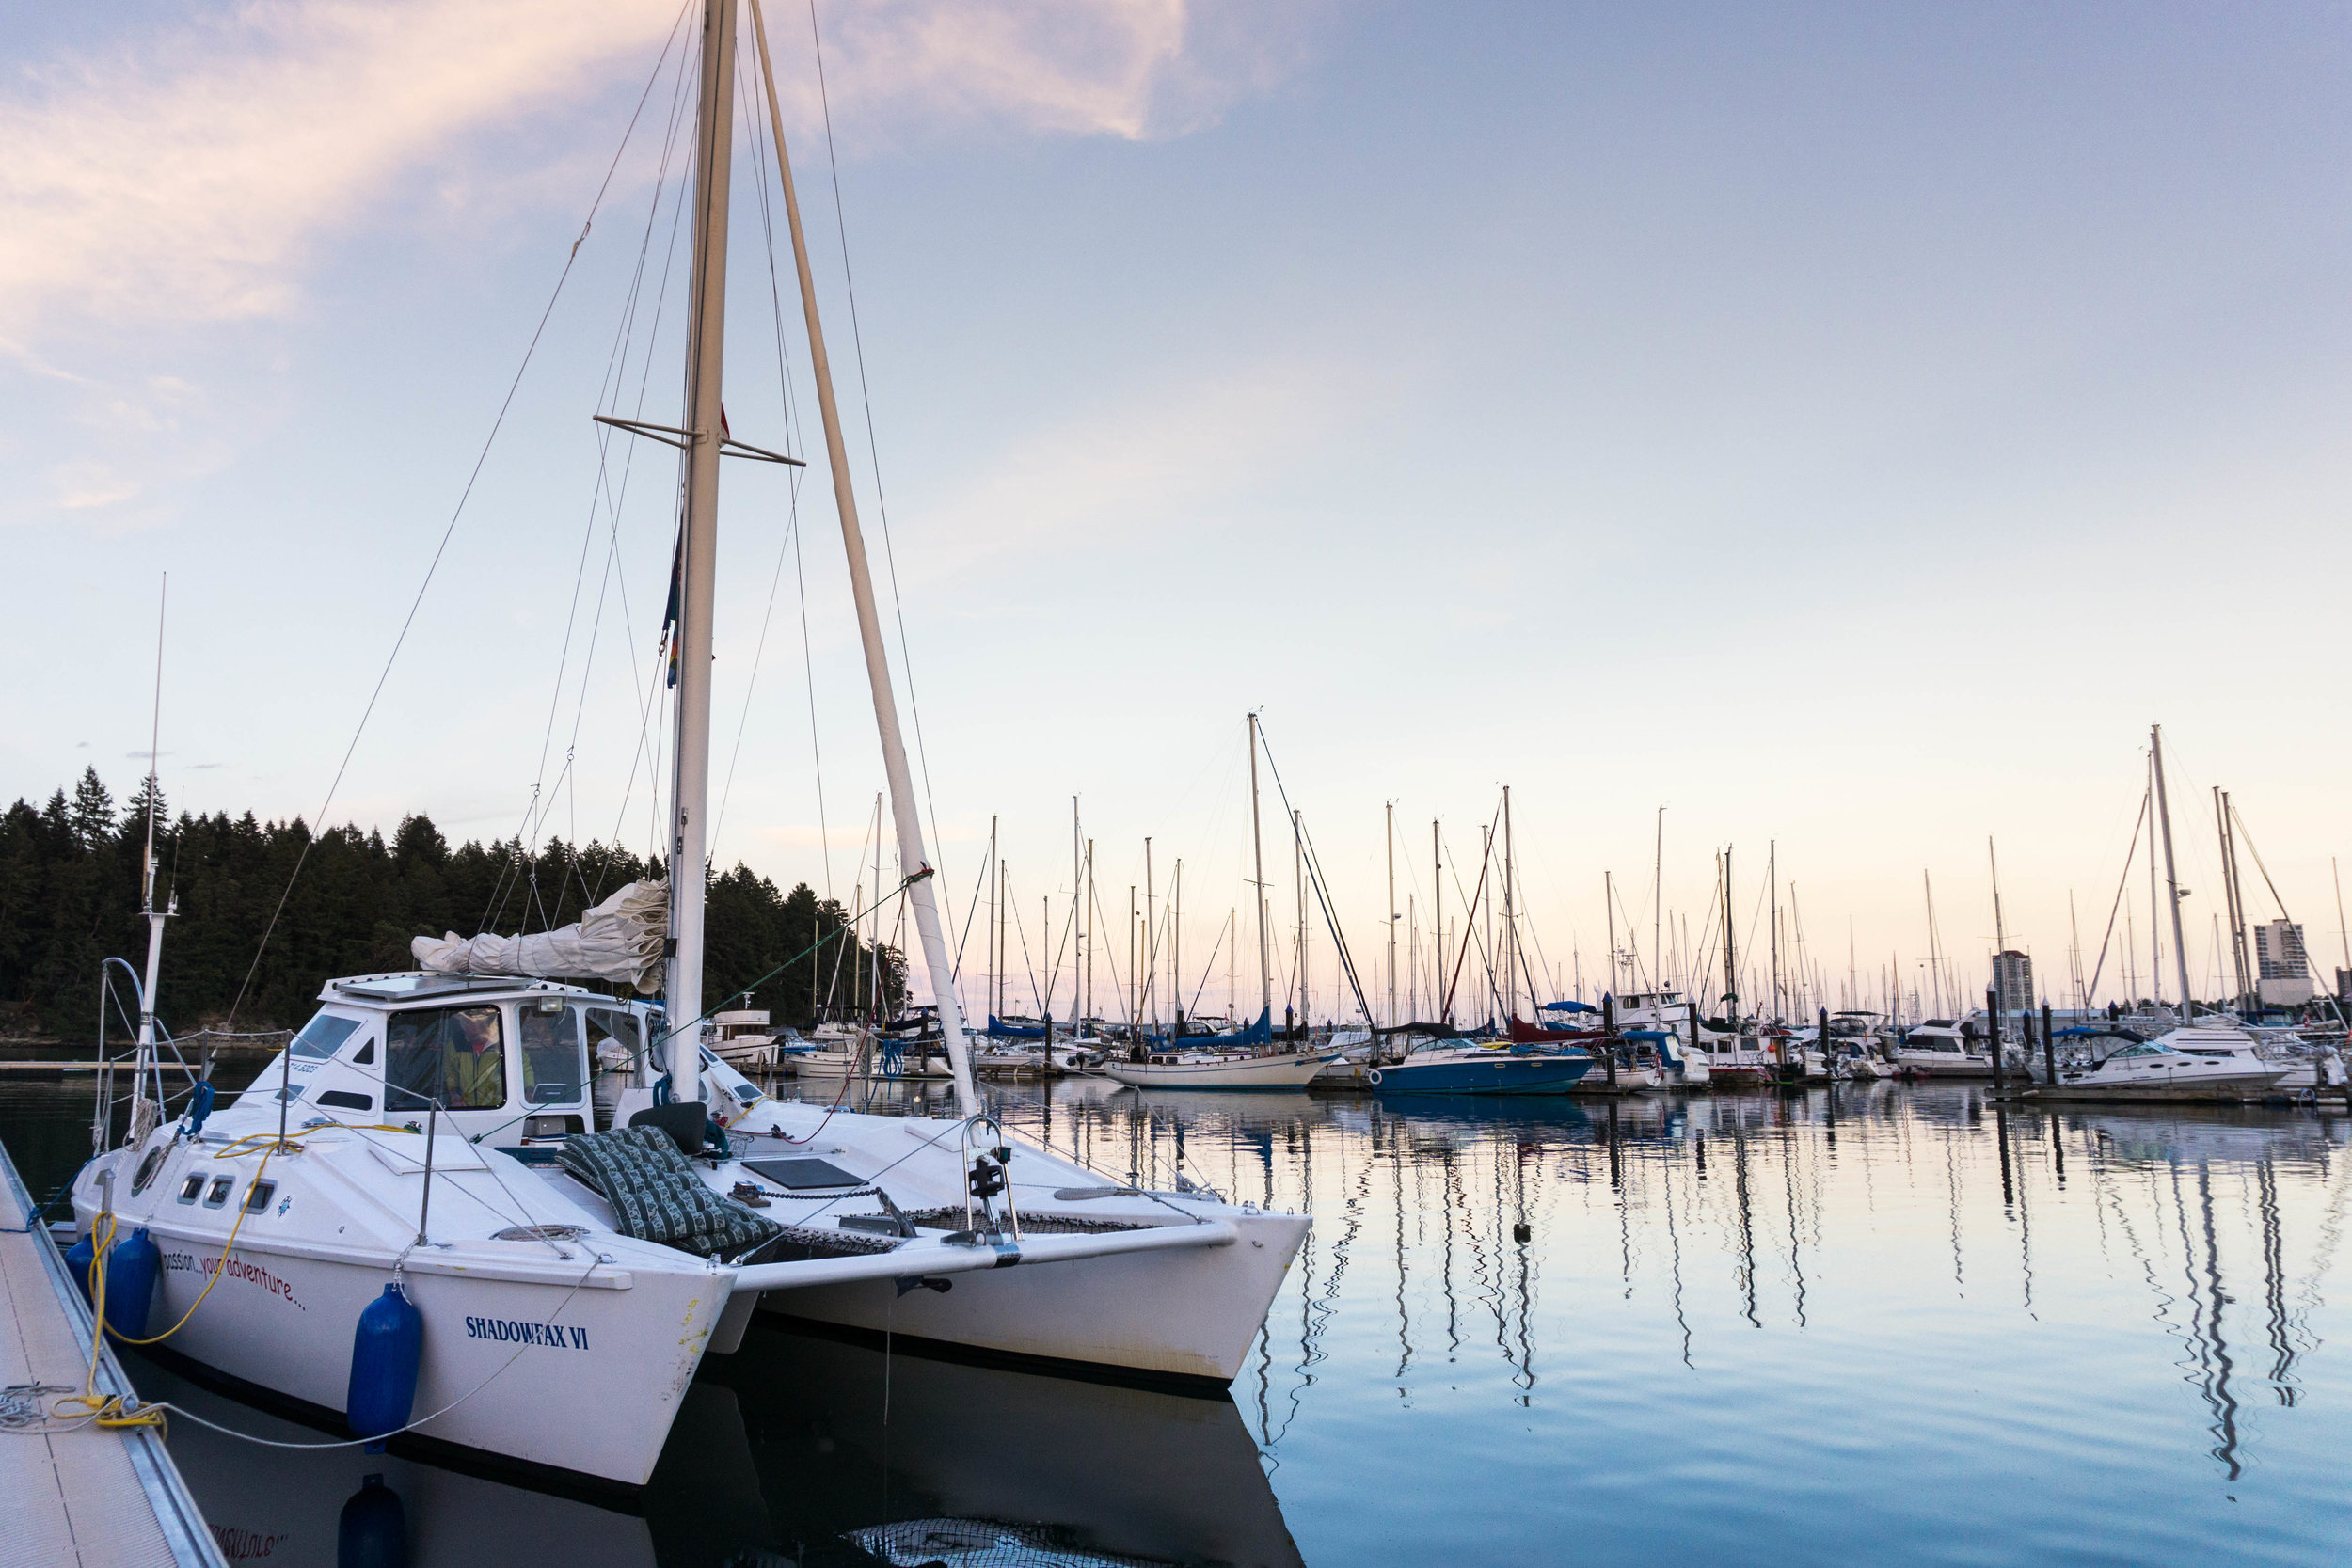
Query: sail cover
[619,940]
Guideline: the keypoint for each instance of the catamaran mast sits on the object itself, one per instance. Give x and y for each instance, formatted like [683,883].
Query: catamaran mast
[913,862]
[699,551]
[2171,879]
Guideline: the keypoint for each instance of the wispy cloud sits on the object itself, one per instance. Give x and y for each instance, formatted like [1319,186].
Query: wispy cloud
[1170,457]
[190,177]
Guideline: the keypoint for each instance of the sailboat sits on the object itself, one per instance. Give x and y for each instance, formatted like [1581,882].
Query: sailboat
[2212,1061]
[429,1135]
[1244,1059]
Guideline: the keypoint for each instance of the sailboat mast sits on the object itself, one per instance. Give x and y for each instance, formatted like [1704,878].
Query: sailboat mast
[1257,853]
[915,862]
[2171,877]
[145,1062]
[1510,920]
[1441,991]
[1390,821]
[699,551]
[1658,917]
[2156,912]
[1731,959]
[1298,890]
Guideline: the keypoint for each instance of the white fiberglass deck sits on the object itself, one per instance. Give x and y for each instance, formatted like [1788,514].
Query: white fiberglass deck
[97,1494]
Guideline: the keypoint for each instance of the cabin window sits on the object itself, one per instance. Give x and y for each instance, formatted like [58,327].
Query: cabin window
[455,1055]
[343,1100]
[614,1037]
[257,1196]
[323,1036]
[555,1066]
[192,1186]
[219,1194]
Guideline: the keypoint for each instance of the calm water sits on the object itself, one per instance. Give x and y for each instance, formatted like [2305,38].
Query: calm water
[1876,1325]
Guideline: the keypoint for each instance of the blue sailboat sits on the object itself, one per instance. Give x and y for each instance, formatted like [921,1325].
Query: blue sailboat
[1451,1068]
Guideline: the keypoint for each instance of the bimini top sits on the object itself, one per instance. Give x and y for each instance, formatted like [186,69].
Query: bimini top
[416,984]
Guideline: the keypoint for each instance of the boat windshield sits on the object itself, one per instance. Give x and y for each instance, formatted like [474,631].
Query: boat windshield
[323,1036]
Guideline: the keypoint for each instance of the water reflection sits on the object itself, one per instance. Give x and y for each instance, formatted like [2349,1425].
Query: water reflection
[1746,1214]
[1761,1305]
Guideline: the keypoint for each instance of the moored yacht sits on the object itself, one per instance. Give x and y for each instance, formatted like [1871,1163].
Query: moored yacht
[2152,1069]
[1940,1049]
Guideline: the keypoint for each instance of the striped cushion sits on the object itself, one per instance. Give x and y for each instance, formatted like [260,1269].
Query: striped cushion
[656,1194]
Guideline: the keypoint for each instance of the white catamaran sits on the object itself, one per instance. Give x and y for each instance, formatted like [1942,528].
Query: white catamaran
[431,1134]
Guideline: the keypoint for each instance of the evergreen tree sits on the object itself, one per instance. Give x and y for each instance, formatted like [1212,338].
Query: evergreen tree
[93,811]
[70,897]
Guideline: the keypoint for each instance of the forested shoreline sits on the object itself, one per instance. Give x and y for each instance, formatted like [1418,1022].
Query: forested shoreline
[69,898]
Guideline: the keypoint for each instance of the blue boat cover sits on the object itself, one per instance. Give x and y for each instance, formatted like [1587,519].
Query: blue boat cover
[999,1030]
[1569,1008]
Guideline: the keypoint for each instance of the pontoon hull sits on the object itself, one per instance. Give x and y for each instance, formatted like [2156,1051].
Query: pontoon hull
[1185,1314]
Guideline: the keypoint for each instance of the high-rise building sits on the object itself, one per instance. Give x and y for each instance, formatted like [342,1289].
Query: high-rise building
[2012,981]
[2285,978]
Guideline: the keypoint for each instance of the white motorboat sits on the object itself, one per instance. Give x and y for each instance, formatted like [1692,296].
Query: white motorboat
[2302,1070]
[1940,1049]
[743,1040]
[2151,1069]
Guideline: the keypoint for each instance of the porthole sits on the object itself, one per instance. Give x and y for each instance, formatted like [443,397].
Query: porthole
[258,1196]
[219,1194]
[192,1186]
[147,1169]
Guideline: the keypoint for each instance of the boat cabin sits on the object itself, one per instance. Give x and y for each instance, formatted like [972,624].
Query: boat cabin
[519,1058]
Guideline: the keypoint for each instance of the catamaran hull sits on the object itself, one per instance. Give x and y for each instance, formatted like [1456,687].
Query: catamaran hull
[1182,1314]
[585,1380]
[1255,1072]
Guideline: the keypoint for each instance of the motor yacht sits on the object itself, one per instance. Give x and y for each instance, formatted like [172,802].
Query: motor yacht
[2153,1069]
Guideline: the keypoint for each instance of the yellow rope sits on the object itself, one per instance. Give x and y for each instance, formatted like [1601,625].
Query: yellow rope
[108,1410]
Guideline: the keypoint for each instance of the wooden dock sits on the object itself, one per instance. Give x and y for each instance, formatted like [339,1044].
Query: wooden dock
[94,1495]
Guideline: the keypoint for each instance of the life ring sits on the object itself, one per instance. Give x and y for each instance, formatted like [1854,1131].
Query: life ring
[1373,1073]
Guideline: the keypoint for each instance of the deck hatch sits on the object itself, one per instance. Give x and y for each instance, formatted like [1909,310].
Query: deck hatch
[803,1174]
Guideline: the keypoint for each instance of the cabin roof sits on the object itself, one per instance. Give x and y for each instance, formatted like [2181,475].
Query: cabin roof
[418,986]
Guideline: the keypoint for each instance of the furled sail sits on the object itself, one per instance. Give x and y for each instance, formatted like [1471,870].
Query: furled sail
[620,940]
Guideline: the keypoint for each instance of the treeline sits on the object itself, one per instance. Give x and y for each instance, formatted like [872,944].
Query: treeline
[69,898]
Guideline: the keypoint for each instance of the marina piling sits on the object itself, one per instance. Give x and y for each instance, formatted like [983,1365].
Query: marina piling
[1993,1013]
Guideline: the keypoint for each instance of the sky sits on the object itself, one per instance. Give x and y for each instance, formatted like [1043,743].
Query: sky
[1847,429]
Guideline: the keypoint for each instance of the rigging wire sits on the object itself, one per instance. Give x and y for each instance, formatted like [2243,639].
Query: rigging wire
[789,542]
[873,451]
[449,530]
